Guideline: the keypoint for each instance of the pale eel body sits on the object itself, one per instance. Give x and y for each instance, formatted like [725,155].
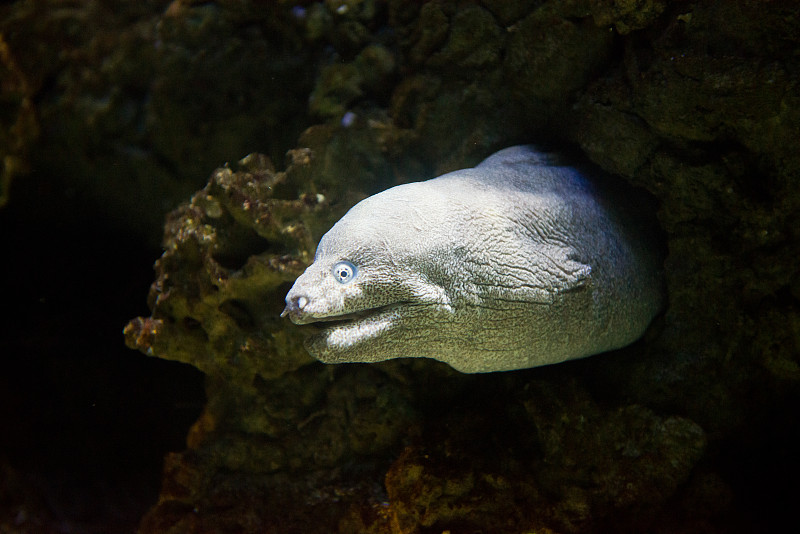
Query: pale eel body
[515,263]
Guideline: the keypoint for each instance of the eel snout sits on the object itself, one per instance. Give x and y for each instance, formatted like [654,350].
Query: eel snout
[295,305]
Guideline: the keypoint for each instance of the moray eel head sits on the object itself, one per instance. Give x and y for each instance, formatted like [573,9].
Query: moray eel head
[358,291]
[517,262]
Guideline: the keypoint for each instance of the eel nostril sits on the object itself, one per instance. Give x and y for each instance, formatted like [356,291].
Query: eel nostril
[294,305]
[291,305]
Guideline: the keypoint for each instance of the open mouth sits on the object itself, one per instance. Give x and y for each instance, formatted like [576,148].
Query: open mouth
[332,335]
[345,319]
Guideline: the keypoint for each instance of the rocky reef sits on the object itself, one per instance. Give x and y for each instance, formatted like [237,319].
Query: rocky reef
[691,429]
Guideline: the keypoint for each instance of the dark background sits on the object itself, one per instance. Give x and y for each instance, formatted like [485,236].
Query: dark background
[84,421]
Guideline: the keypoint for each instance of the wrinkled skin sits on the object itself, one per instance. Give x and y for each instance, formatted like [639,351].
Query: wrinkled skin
[516,263]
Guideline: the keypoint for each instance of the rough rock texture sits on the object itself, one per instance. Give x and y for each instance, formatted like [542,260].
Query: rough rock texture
[19,127]
[690,430]
[537,457]
[708,123]
[152,95]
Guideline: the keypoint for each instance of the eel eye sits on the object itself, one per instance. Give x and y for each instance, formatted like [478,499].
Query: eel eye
[344,272]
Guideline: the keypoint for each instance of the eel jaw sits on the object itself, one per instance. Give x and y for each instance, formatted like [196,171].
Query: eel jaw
[337,334]
[348,320]
[295,310]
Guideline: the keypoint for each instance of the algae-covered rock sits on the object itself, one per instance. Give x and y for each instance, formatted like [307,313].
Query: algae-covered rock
[550,55]
[138,101]
[550,458]
[340,85]
[19,127]
[627,15]
[225,253]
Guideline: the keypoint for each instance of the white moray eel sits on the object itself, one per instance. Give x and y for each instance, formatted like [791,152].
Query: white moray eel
[515,263]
